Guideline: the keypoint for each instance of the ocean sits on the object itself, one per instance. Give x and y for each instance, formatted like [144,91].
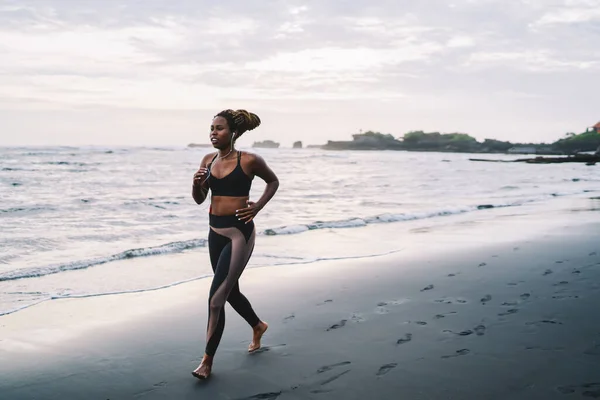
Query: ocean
[91,221]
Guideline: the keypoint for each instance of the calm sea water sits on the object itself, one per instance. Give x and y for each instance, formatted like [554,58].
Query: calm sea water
[93,221]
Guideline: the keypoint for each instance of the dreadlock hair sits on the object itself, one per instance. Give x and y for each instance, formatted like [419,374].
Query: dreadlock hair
[239,121]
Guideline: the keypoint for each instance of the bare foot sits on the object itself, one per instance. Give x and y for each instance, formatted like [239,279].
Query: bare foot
[204,369]
[258,331]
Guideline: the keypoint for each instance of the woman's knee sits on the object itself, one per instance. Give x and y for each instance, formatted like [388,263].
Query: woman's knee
[215,305]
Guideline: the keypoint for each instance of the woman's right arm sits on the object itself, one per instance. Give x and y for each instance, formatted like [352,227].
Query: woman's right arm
[200,184]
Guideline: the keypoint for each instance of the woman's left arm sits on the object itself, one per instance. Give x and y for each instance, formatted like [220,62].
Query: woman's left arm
[259,168]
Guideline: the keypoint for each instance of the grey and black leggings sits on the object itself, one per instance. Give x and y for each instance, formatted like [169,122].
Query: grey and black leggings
[230,243]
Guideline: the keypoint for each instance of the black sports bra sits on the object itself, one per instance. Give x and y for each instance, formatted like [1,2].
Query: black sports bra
[235,184]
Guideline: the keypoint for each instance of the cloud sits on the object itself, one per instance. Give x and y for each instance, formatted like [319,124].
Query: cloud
[209,53]
[183,55]
[461,41]
[570,12]
[536,61]
[569,16]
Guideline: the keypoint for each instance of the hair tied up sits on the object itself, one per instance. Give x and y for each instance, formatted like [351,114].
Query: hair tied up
[245,121]
[240,121]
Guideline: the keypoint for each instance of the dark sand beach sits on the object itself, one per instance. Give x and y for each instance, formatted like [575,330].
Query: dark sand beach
[491,318]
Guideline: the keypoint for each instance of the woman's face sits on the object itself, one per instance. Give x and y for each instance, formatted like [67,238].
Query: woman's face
[220,135]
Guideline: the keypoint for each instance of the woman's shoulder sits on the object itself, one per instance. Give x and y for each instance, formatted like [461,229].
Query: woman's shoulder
[208,158]
[249,157]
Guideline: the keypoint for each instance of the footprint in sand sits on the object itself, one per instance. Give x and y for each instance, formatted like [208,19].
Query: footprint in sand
[461,352]
[398,302]
[561,283]
[576,271]
[523,297]
[544,348]
[564,296]
[264,349]
[289,318]
[547,272]
[440,316]
[407,338]
[592,253]
[451,275]
[317,391]
[551,322]
[381,308]
[482,264]
[325,302]
[544,321]
[466,332]
[591,390]
[428,287]
[263,396]
[354,318]
[508,312]
[384,369]
[479,330]
[326,368]
[333,378]
[451,300]
[340,324]
[357,318]
[486,298]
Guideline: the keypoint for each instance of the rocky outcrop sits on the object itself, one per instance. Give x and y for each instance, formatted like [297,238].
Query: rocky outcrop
[588,159]
[266,144]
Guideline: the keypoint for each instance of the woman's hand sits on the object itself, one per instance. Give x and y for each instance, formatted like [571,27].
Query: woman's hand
[247,214]
[200,176]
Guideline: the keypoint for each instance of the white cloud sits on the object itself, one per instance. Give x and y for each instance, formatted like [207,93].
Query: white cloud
[569,16]
[298,10]
[461,41]
[428,60]
[537,61]
[343,59]
[389,29]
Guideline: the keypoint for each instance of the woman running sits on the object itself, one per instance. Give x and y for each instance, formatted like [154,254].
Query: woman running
[228,174]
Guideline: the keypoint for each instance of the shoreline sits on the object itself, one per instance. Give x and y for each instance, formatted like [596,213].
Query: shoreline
[437,228]
[492,318]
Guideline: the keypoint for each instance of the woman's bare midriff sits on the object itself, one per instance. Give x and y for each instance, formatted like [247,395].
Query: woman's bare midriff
[226,205]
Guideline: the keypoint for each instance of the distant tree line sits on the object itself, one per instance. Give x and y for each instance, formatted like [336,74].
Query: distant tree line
[586,141]
[462,142]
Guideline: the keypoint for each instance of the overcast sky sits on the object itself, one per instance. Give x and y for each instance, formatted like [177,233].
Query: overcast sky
[77,72]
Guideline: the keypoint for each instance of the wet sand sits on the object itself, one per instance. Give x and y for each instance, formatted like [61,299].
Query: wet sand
[493,320]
